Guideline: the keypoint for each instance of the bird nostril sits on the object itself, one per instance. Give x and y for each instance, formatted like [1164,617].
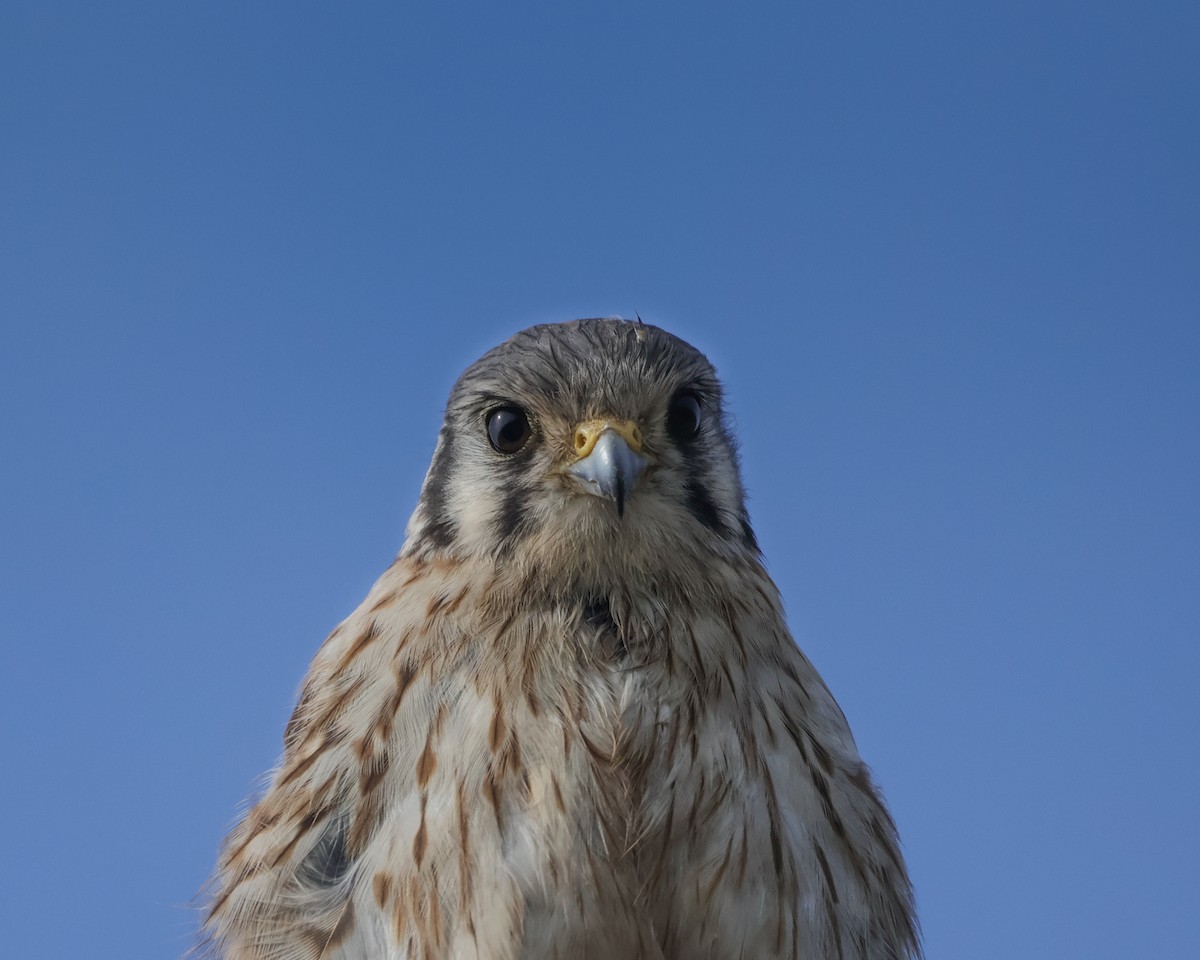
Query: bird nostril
[580,440]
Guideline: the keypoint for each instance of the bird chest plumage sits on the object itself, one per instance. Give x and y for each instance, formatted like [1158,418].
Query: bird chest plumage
[570,720]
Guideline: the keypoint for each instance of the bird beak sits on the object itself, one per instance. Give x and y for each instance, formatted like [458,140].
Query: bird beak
[609,459]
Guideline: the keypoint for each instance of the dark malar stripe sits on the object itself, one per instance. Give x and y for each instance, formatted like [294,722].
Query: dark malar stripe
[440,529]
[513,516]
[700,505]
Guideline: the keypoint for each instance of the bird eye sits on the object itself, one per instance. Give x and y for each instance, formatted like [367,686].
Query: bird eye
[683,417]
[508,429]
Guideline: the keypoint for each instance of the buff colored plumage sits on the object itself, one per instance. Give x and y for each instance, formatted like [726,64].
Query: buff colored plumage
[569,721]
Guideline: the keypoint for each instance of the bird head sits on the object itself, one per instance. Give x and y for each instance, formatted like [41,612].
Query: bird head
[584,446]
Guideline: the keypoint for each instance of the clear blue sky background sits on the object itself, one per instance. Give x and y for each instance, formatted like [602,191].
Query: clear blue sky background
[947,257]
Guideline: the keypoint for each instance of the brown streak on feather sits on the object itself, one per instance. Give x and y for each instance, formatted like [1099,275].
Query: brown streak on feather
[496,729]
[372,774]
[323,941]
[365,817]
[435,913]
[445,565]
[594,750]
[297,768]
[314,939]
[444,603]
[360,643]
[464,844]
[386,600]
[504,627]
[291,732]
[509,760]
[343,927]
[405,674]
[334,707]
[319,797]
[381,883]
[492,793]
[244,874]
[255,823]
[302,828]
[529,686]
[427,762]
[420,841]
[400,915]
[405,639]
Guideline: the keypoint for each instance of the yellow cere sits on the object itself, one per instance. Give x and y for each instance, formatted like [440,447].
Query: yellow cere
[588,432]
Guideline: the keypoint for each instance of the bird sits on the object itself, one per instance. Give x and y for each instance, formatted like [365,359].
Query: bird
[570,719]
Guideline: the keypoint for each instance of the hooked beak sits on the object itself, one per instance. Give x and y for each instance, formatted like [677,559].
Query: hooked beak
[610,460]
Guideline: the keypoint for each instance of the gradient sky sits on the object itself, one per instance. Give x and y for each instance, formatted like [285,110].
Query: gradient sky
[946,257]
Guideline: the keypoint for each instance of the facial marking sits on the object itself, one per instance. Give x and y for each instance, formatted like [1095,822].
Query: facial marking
[500,480]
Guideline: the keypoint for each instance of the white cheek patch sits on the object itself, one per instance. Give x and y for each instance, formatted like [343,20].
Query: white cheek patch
[421,517]
[487,497]
[472,498]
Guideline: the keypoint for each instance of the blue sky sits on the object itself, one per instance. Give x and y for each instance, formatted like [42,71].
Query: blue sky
[944,255]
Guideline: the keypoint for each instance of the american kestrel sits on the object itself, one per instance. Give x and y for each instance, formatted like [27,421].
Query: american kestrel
[569,720]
